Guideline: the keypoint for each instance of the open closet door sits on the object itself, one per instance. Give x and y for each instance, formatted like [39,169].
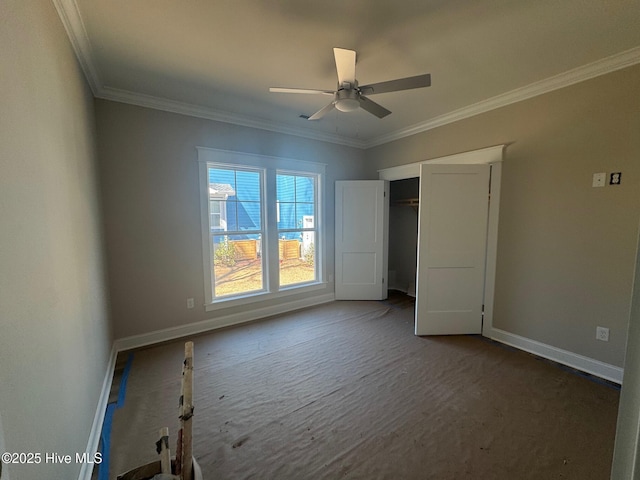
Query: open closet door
[452,237]
[362,232]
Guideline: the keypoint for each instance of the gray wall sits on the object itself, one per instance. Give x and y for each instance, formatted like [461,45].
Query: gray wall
[54,340]
[565,250]
[149,176]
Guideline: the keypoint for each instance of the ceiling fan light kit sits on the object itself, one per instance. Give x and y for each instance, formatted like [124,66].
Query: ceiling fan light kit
[347,100]
[349,96]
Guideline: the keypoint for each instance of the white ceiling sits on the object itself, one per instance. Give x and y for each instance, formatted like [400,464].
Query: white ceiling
[217,58]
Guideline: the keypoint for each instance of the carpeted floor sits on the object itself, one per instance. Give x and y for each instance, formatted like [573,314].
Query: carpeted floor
[345,390]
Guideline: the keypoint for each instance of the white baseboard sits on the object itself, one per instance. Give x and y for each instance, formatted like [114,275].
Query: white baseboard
[136,341]
[398,288]
[96,429]
[573,360]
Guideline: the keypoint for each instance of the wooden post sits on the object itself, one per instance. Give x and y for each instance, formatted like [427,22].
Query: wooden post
[178,464]
[163,450]
[186,414]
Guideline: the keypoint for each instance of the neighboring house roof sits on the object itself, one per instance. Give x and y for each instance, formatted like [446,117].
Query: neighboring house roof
[221,189]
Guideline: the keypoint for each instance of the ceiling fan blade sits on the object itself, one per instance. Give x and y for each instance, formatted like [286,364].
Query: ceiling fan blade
[408,83]
[322,112]
[345,65]
[300,90]
[372,107]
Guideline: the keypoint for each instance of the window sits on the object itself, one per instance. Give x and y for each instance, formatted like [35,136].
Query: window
[296,213]
[262,226]
[235,195]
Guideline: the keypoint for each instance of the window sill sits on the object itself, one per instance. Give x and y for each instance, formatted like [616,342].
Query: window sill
[263,296]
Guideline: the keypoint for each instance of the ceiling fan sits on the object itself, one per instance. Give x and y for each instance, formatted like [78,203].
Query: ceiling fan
[349,96]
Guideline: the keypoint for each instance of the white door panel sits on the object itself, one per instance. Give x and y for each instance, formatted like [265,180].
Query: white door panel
[362,210]
[452,235]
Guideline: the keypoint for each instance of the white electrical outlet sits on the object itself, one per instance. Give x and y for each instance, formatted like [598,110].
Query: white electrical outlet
[602,333]
[190,303]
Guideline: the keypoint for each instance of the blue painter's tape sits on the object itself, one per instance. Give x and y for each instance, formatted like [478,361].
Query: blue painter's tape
[105,436]
[103,468]
[123,381]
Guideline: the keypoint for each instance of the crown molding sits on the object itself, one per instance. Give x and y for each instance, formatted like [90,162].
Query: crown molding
[73,24]
[571,77]
[208,113]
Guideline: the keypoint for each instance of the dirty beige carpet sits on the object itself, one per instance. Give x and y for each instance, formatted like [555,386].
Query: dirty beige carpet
[346,390]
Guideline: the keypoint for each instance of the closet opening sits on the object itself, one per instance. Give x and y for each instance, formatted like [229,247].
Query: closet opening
[403,237]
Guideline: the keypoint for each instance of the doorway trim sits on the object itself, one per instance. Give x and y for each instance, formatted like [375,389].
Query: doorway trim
[492,156]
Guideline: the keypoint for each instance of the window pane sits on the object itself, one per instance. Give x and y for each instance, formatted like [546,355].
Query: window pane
[297,258]
[237,264]
[296,210]
[236,196]
[222,182]
[216,219]
[248,185]
[235,205]
[231,216]
[286,188]
[304,215]
[248,216]
[287,215]
[289,236]
[305,187]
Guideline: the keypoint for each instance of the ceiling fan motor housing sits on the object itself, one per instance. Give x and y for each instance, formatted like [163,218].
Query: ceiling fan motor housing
[347,100]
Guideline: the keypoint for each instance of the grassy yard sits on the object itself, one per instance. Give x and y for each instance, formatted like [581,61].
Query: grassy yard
[246,275]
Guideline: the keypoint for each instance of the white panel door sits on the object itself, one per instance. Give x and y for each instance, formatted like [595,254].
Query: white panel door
[362,232]
[452,236]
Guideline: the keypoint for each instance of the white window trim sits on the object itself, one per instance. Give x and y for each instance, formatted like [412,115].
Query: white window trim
[271,165]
